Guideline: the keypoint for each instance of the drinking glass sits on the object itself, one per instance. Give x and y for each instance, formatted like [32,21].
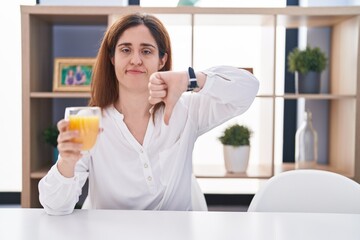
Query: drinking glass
[86,120]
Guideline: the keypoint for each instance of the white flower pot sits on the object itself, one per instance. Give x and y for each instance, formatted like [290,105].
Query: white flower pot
[236,158]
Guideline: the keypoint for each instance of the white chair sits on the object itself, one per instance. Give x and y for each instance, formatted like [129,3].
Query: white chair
[307,191]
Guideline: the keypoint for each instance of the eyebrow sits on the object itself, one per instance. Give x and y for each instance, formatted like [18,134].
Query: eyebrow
[141,44]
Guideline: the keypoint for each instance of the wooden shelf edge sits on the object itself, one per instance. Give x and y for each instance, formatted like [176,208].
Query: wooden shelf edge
[60,95]
[219,171]
[285,96]
[40,173]
[291,166]
[106,10]
[256,171]
[317,96]
[309,96]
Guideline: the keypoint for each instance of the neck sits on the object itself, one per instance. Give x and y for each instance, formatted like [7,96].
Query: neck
[135,108]
[133,105]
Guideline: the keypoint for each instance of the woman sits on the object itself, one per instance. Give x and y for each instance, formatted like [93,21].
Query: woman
[143,157]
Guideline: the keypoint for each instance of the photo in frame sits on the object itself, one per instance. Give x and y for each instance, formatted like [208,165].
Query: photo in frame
[72,74]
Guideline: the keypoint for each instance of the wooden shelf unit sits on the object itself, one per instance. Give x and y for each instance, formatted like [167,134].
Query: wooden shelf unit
[38,99]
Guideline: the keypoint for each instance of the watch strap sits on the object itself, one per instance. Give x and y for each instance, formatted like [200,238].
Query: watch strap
[192,80]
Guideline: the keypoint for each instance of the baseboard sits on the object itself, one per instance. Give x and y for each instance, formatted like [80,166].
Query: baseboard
[10,197]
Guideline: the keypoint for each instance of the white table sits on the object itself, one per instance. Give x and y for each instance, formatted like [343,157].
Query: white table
[34,224]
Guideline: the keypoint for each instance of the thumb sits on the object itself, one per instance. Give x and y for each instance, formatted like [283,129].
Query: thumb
[167,112]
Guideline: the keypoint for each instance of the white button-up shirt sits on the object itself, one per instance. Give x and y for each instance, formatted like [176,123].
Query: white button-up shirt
[123,174]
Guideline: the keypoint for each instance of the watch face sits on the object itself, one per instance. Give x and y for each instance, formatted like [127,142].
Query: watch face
[193,83]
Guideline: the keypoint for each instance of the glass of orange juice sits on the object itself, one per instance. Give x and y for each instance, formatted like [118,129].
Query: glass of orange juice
[86,120]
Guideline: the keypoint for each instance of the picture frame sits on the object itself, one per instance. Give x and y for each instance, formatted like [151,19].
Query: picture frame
[72,74]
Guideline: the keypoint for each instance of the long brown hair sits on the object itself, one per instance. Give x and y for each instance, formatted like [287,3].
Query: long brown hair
[104,85]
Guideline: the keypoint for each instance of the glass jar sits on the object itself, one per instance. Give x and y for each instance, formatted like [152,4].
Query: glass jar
[306,144]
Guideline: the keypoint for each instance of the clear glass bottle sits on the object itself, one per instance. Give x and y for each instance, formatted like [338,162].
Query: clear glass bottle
[306,144]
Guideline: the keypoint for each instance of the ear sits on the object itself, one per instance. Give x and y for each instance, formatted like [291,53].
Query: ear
[112,61]
[163,61]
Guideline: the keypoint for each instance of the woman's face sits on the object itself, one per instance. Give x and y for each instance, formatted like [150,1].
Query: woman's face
[136,58]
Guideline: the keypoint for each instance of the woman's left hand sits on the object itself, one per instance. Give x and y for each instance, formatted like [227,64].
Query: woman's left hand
[167,87]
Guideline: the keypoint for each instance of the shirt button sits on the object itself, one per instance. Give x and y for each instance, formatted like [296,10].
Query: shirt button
[149,178]
[145,165]
[141,150]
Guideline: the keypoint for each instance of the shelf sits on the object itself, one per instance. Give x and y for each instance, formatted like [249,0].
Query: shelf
[218,171]
[255,171]
[290,17]
[71,17]
[60,95]
[200,171]
[286,96]
[310,96]
[40,173]
[333,12]
[317,96]
[310,21]
[291,166]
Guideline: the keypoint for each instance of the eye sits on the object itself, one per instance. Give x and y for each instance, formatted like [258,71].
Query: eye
[125,50]
[146,51]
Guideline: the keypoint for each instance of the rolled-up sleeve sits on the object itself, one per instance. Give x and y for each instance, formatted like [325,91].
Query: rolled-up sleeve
[58,194]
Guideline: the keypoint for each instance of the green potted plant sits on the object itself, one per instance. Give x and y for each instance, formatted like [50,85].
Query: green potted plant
[307,65]
[50,135]
[187,2]
[236,145]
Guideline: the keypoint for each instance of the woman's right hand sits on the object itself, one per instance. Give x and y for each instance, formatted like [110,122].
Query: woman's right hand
[70,152]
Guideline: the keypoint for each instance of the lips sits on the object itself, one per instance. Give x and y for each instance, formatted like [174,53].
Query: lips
[134,71]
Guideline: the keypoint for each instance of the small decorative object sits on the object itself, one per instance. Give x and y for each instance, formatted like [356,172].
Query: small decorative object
[307,65]
[50,135]
[73,74]
[306,144]
[236,142]
[187,2]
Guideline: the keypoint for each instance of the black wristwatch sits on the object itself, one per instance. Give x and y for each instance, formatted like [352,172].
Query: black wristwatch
[192,80]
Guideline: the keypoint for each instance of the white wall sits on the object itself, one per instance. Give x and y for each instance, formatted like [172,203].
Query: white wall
[10,95]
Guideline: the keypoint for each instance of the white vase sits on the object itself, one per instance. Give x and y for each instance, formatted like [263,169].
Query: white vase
[306,144]
[236,158]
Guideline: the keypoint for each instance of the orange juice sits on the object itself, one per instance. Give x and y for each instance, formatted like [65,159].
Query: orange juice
[88,127]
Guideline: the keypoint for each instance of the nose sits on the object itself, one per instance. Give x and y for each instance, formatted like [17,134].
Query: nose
[136,59]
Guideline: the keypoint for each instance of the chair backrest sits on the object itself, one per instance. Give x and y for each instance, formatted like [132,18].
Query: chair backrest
[307,191]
